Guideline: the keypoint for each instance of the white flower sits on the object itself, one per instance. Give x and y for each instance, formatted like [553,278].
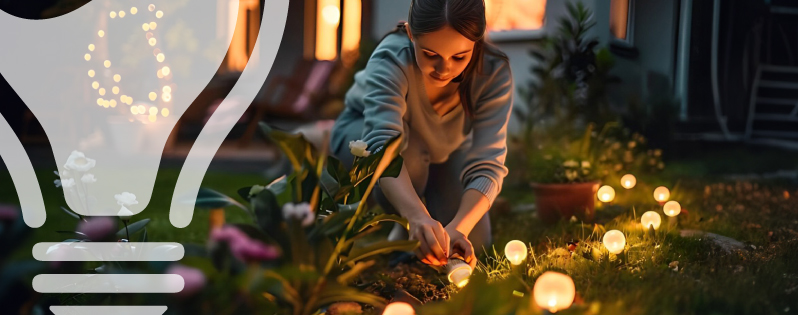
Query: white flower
[88,178]
[358,148]
[299,212]
[77,161]
[124,214]
[126,199]
[67,183]
[570,163]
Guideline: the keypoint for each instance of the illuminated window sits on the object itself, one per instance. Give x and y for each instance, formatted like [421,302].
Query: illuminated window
[621,19]
[505,15]
[242,25]
[328,16]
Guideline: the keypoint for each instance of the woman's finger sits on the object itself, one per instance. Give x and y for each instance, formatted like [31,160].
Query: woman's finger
[443,239]
[427,248]
[434,246]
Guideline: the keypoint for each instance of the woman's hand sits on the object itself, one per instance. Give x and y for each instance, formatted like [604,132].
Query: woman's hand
[433,238]
[461,246]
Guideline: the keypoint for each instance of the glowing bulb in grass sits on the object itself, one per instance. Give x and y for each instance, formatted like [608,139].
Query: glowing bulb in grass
[651,218]
[554,291]
[458,272]
[628,181]
[399,308]
[515,251]
[614,241]
[662,194]
[606,193]
[672,208]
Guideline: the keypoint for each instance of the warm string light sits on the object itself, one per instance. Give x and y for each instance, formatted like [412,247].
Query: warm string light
[554,291]
[614,241]
[162,72]
[516,252]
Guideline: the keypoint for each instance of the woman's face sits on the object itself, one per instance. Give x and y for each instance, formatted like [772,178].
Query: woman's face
[442,55]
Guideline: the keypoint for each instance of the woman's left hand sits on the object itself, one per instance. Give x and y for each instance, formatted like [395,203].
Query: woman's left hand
[461,246]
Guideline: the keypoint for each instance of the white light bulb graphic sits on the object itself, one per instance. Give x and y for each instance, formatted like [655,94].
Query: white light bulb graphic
[48,55]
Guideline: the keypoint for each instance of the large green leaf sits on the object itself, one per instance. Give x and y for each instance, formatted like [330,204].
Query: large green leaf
[294,146]
[132,228]
[334,292]
[211,199]
[382,218]
[382,247]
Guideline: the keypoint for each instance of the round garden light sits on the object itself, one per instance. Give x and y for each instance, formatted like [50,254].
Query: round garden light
[399,308]
[614,241]
[672,208]
[662,194]
[515,251]
[458,272]
[628,181]
[651,218]
[606,193]
[554,291]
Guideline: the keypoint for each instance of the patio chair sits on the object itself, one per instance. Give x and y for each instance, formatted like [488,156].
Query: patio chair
[291,98]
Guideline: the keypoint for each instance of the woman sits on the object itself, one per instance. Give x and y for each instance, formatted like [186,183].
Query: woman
[435,80]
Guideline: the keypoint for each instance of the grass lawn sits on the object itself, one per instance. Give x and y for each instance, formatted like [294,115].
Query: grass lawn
[662,273]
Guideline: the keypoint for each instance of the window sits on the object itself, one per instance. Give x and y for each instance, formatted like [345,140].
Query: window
[507,15]
[242,26]
[621,14]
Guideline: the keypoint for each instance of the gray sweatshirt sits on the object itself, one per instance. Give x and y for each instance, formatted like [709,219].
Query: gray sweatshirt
[390,98]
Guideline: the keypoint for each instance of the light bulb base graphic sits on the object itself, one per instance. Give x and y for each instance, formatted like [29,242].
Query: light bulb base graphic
[108,91]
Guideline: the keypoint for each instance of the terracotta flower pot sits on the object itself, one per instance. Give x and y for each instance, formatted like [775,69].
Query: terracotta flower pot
[558,201]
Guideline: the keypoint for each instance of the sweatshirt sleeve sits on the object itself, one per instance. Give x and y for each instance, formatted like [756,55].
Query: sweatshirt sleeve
[484,168]
[384,99]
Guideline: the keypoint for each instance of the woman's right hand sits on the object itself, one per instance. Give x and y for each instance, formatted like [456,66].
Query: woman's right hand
[434,241]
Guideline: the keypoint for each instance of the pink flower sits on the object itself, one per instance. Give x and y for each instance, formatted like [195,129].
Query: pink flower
[242,247]
[97,228]
[8,213]
[193,279]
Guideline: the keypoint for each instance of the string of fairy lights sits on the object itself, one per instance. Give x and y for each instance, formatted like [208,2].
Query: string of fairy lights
[163,73]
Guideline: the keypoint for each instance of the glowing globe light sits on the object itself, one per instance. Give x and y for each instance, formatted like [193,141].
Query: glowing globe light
[107,63]
[651,218]
[113,14]
[87,57]
[153,41]
[159,14]
[165,112]
[516,252]
[115,90]
[614,241]
[95,85]
[662,194]
[152,118]
[167,89]
[554,291]
[102,91]
[672,208]
[134,10]
[134,110]
[160,57]
[101,33]
[153,25]
[145,27]
[628,181]
[91,73]
[112,103]
[458,272]
[117,78]
[399,308]
[100,101]
[91,47]
[151,7]
[121,14]
[166,97]
[166,71]
[606,193]
[141,109]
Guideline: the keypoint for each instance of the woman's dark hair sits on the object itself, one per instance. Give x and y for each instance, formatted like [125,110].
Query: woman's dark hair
[467,17]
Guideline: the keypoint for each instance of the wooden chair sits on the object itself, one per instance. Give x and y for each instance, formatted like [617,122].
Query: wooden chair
[291,98]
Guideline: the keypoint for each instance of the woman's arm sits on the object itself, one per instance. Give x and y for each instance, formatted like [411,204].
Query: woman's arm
[473,207]
[433,238]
